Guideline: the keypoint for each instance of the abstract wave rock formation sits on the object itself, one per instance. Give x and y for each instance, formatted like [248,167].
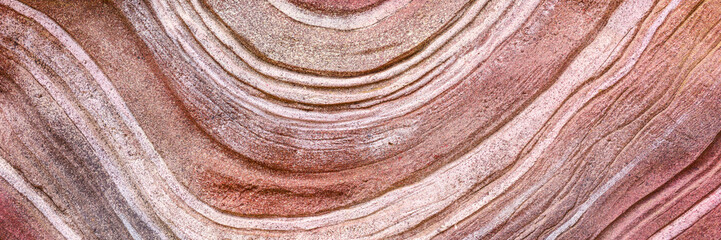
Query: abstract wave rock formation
[360,119]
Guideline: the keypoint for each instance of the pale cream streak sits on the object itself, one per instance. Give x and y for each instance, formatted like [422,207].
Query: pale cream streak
[375,201]
[345,22]
[680,224]
[458,75]
[517,201]
[101,113]
[194,225]
[595,58]
[180,221]
[133,233]
[710,202]
[614,34]
[363,117]
[618,176]
[72,111]
[589,63]
[225,35]
[598,193]
[10,175]
[231,61]
[355,211]
[228,82]
[147,145]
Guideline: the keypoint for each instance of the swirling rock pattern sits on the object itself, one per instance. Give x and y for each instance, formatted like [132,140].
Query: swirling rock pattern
[360,119]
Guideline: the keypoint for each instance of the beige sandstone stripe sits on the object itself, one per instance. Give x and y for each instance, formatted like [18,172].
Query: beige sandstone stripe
[598,193]
[385,212]
[123,185]
[10,175]
[346,22]
[680,224]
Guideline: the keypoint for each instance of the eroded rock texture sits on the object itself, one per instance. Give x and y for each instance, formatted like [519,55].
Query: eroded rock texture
[360,119]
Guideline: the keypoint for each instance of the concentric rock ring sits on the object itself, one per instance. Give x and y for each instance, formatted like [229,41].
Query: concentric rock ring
[338,7]
[340,16]
[321,50]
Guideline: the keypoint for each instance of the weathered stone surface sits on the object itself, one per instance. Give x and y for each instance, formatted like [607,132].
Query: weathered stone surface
[360,119]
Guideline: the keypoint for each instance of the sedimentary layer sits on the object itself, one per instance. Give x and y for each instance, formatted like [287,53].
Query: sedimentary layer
[356,119]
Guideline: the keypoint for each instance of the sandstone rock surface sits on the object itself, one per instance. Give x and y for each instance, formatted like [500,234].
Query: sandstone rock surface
[360,119]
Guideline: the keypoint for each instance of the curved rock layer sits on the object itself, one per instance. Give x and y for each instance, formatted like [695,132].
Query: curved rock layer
[360,119]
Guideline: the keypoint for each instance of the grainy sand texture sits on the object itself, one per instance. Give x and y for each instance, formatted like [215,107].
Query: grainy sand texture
[360,119]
